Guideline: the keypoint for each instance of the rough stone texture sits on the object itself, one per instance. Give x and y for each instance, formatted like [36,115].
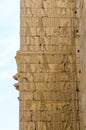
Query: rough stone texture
[83,64]
[52,65]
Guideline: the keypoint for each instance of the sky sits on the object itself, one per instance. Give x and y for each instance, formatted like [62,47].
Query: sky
[9,44]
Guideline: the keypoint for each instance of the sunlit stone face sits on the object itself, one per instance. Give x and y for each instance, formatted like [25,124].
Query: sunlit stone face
[50,74]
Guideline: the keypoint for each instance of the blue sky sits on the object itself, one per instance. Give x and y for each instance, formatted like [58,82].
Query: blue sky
[9,44]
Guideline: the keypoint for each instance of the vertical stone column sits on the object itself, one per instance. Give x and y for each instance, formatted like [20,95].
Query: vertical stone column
[48,72]
[82,42]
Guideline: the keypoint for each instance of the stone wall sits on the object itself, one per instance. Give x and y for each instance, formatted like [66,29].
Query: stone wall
[82,85]
[50,72]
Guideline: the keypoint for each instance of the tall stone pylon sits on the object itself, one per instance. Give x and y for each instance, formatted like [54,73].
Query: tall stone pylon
[49,71]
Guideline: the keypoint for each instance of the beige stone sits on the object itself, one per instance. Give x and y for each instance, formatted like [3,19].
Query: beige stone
[52,65]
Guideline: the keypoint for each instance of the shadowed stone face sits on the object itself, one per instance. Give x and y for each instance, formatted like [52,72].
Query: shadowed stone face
[51,81]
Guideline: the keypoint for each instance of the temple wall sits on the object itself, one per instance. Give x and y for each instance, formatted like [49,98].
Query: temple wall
[83,63]
[52,65]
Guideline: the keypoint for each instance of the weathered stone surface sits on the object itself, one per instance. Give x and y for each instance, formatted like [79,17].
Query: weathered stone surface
[51,65]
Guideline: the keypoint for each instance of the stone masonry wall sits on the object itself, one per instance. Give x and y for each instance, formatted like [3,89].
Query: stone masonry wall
[82,86]
[50,65]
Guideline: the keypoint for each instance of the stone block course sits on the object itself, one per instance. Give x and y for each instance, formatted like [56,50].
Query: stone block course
[50,71]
